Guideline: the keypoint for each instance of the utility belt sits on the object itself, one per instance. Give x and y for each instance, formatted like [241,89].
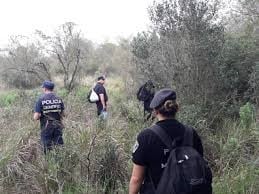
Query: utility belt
[53,124]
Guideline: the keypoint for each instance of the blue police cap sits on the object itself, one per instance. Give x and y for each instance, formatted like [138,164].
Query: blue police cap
[48,85]
[161,96]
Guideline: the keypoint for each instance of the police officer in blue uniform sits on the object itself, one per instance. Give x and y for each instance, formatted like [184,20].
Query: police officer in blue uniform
[49,109]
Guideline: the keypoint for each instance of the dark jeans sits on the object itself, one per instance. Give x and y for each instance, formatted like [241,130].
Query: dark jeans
[51,137]
[99,106]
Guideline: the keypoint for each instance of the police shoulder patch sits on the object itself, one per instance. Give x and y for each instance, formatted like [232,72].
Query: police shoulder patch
[135,147]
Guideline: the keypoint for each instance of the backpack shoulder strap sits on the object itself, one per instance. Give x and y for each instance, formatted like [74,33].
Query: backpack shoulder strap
[163,136]
[188,136]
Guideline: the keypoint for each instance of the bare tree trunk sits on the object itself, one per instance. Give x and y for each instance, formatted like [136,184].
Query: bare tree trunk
[76,69]
[257,113]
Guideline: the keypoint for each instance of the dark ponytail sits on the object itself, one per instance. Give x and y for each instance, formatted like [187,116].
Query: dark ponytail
[169,108]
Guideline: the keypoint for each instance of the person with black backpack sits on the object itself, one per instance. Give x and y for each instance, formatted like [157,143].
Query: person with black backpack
[145,94]
[168,156]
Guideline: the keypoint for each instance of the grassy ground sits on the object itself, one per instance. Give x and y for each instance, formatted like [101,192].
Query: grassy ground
[98,160]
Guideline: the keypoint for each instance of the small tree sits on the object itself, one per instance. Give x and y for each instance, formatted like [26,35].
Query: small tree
[25,65]
[67,47]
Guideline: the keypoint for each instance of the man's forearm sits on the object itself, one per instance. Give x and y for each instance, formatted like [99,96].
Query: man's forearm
[136,179]
[134,186]
[104,105]
[103,101]
[36,116]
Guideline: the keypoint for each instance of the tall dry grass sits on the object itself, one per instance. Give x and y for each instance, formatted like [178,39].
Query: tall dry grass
[97,159]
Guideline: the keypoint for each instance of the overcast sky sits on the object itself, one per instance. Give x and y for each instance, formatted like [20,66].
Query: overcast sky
[99,20]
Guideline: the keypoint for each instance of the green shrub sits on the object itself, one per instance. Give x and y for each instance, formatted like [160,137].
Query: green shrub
[82,92]
[112,169]
[247,115]
[241,180]
[63,93]
[8,98]
[191,115]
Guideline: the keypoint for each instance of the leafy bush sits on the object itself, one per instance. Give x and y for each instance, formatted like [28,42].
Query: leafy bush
[8,98]
[243,180]
[191,115]
[247,115]
[82,92]
[112,167]
[62,93]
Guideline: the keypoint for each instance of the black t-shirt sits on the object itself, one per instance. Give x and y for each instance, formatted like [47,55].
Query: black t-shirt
[150,151]
[50,107]
[99,89]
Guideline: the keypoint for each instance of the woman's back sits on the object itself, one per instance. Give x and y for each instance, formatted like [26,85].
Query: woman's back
[151,152]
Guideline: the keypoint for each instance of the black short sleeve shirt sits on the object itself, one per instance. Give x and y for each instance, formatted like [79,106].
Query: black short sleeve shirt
[150,151]
[100,89]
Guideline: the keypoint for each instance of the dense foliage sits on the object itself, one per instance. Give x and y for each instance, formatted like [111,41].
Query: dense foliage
[190,50]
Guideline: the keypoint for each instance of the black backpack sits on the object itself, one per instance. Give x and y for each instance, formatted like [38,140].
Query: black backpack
[145,91]
[186,172]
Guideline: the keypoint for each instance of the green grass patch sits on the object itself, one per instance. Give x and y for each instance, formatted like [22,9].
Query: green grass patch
[8,98]
[62,92]
[241,180]
[82,92]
